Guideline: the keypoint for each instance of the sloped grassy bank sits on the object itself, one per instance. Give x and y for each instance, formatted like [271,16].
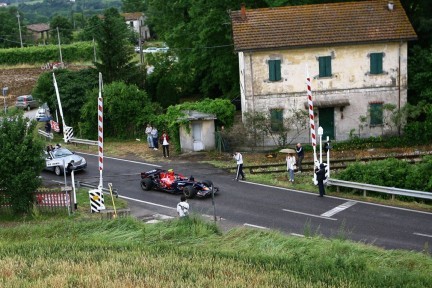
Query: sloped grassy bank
[193,253]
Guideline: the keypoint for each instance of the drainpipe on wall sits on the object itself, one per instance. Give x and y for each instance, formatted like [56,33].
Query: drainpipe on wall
[399,86]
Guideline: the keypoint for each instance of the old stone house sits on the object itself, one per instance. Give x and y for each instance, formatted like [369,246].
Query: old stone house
[355,54]
[40,32]
[136,21]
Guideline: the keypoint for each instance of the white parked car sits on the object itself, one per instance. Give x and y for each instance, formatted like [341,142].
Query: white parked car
[58,158]
[151,50]
[43,115]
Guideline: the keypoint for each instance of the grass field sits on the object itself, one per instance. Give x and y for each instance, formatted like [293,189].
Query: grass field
[193,253]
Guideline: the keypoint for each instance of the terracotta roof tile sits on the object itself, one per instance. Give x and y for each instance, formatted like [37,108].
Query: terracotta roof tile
[321,24]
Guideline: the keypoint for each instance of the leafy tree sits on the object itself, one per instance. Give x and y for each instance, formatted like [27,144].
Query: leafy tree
[89,31]
[114,50]
[72,85]
[133,5]
[126,110]
[21,158]
[9,30]
[64,27]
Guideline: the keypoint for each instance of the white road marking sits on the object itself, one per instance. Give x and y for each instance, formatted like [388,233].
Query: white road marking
[146,202]
[119,159]
[338,209]
[307,214]
[420,234]
[255,226]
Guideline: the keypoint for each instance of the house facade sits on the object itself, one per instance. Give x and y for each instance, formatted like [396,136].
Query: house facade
[136,21]
[355,55]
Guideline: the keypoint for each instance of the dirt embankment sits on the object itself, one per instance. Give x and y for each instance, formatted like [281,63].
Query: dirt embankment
[21,80]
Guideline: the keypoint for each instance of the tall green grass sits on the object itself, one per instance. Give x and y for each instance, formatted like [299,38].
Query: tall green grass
[193,253]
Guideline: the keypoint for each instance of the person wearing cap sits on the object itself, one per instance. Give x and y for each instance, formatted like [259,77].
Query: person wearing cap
[320,173]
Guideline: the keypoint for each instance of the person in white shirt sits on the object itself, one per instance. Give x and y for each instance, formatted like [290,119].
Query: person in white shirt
[290,160]
[239,160]
[149,136]
[155,138]
[164,140]
[183,207]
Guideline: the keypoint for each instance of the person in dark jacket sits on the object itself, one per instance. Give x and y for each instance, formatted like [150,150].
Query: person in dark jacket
[320,173]
[300,156]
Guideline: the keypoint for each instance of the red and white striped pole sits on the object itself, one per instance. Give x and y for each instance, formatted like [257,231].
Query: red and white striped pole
[100,130]
[311,116]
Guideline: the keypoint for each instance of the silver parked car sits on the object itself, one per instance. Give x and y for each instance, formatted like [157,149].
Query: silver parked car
[26,102]
[56,159]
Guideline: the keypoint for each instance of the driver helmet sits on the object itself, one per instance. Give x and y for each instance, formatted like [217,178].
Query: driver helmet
[171,172]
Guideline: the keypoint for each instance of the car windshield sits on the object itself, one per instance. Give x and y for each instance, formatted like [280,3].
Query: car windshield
[61,152]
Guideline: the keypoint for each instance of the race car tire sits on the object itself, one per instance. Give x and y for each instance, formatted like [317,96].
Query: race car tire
[146,184]
[189,192]
[208,183]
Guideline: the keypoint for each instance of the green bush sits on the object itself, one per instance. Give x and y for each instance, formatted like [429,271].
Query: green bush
[391,173]
[76,52]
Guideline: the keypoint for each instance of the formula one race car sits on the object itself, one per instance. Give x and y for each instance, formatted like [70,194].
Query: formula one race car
[168,181]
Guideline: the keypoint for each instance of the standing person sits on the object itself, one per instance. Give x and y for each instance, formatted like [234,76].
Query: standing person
[300,156]
[320,173]
[47,127]
[154,134]
[290,160]
[183,207]
[164,140]
[239,160]
[149,136]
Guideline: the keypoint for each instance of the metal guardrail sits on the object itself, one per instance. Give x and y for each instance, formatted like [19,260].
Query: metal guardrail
[382,189]
[88,185]
[45,134]
[83,141]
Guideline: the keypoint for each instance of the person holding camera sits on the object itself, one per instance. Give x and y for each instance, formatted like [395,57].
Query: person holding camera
[239,160]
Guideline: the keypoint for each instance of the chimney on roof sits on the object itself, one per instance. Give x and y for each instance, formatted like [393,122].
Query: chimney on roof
[390,5]
[243,11]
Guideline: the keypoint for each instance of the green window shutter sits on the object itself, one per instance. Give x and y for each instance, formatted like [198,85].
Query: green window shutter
[376,114]
[276,119]
[376,62]
[274,70]
[325,66]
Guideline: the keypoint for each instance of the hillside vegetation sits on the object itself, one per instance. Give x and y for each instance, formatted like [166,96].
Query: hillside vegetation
[193,253]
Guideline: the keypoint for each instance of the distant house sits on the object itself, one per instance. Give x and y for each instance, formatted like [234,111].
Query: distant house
[136,21]
[2,4]
[355,53]
[40,32]
[200,133]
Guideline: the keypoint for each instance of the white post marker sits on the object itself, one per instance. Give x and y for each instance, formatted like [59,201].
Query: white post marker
[320,134]
[60,108]
[73,189]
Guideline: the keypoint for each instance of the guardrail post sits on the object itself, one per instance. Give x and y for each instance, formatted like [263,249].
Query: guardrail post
[393,197]
[364,193]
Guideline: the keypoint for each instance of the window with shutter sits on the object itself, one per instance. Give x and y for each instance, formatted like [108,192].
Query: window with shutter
[325,69]
[274,70]
[376,114]
[276,119]
[376,63]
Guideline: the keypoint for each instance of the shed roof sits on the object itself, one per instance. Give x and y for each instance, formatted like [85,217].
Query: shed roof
[196,115]
[320,24]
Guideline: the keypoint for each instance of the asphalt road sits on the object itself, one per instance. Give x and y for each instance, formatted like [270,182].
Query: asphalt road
[265,207]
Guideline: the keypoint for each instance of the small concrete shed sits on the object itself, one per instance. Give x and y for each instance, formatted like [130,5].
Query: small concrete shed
[200,134]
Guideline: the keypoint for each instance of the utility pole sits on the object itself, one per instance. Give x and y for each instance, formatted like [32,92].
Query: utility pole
[19,27]
[59,44]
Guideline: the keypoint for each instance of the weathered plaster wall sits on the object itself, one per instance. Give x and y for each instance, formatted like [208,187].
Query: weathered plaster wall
[350,80]
[207,136]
